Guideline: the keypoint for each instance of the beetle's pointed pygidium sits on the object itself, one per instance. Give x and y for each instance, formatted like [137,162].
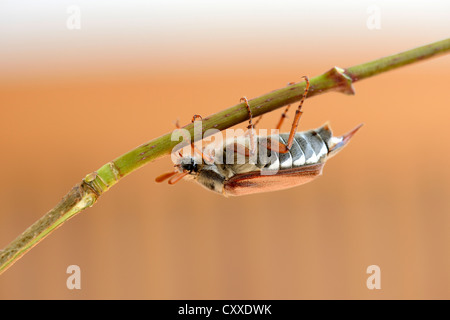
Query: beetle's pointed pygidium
[337,143]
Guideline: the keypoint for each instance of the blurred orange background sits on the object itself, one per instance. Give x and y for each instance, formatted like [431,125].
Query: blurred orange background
[72,100]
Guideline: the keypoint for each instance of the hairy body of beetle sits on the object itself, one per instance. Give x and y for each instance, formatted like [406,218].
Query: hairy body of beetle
[272,170]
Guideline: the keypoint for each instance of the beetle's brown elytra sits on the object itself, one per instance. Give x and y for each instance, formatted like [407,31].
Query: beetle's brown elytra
[282,161]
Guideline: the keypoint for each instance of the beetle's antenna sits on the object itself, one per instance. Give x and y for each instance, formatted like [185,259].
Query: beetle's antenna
[165,176]
[177,178]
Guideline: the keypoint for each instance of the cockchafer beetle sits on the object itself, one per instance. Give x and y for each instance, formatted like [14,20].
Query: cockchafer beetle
[296,158]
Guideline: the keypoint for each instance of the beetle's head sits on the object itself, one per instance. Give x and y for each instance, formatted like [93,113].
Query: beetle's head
[188,165]
[183,167]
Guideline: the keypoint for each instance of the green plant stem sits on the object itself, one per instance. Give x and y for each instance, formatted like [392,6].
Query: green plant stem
[86,193]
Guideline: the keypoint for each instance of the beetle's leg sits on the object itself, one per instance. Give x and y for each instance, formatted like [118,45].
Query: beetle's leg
[284,114]
[257,121]
[186,138]
[279,146]
[205,157]
[246,151]
[250,127]
[195,117]
[274,145]
[298,114]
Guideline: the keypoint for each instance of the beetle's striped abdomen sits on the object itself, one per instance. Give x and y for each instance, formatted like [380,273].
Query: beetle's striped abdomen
[308,147]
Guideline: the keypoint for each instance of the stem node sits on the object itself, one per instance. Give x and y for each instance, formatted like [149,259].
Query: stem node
[344,83]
